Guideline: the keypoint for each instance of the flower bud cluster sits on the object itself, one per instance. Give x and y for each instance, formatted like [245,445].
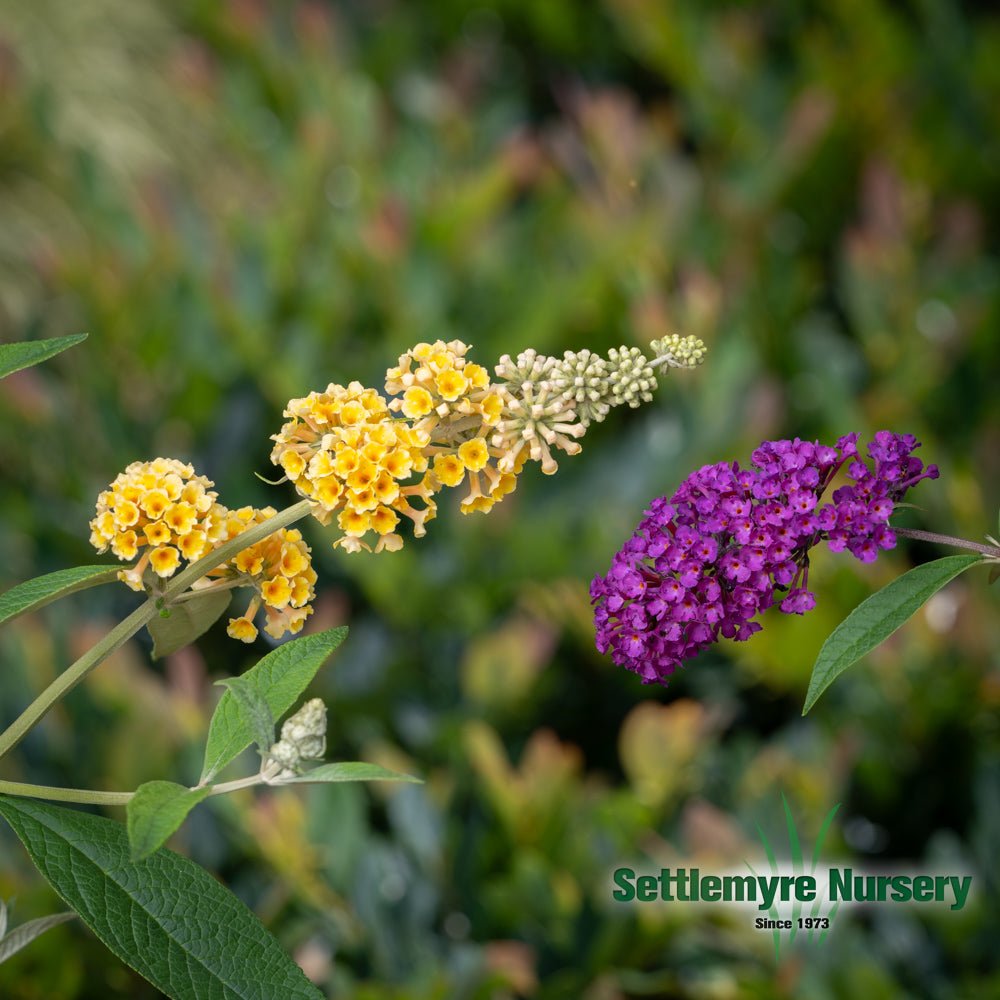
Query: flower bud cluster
[162,510]
[676,351]
[537,416]
[630,376]
[303,737]
[730,542]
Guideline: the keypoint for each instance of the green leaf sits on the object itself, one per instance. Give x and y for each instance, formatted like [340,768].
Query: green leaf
[253,709]
[155,811]
[165,916]
[876,618]
[280,677]
[354,770]
[186,621]
[14,357]
[34,594]
[26,933]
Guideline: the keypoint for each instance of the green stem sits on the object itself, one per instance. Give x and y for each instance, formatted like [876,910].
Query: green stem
[84,795]
[90,796]
[961,543]
[232,786]
[72,676]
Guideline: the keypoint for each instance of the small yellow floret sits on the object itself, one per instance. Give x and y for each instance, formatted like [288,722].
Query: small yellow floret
[354,522]
[328,492]
[154,503]
[397,463]
[250,560]
[417,402]
[157,533]
[276,592]
[451,384]
[242,629]
[164,560]
[293,560]
[362,499]
[479,503]
[449,469]
[474,454]
[193,545]
[384,520]
[181,517]
[385,488]
[293,463]
[125,545]
[126,513]
[363,476]
[346,462]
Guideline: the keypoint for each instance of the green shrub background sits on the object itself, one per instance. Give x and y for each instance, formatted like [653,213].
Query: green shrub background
[241,202]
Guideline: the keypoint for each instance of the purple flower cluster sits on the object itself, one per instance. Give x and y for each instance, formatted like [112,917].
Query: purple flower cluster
[732,541]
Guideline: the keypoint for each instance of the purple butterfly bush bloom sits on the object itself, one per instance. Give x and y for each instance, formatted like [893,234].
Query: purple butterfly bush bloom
[731,542]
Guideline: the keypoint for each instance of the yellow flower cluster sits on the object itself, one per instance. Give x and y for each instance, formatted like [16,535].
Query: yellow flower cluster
[166,512]
[160,507]
[455,403]
[443,386]
[345,452]
[278,568]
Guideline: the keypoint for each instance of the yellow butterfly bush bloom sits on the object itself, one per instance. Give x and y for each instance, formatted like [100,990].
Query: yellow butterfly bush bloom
[160,512]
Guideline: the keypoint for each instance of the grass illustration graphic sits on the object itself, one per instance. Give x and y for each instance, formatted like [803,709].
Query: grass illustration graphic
[795,850]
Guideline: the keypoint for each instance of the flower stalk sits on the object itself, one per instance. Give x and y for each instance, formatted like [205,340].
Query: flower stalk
[961,543]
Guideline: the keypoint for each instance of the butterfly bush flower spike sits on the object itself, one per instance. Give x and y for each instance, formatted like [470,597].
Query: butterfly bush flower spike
[354,454]
[732,542]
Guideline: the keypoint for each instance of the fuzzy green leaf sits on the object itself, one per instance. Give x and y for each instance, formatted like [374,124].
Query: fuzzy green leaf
[280,677]
[14,357]
[186,622]
[876,618]
[26,933]
[155,811]
[34,594]
[253,709]
[165,916]
[350,770]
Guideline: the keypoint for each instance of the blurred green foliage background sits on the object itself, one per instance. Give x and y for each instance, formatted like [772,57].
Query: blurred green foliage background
[243,201]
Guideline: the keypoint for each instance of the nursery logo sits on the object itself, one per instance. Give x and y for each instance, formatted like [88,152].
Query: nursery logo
[796,900]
